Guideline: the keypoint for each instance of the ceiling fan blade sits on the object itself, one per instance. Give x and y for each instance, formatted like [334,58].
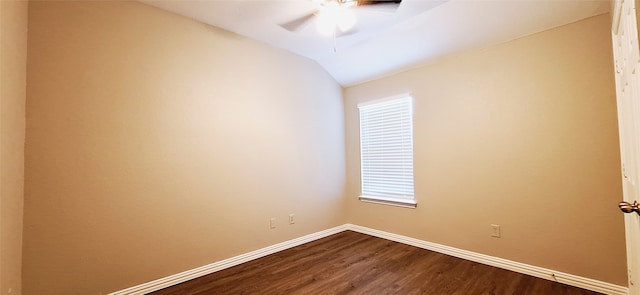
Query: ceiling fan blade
[387,6]
[299,23]
[378,2]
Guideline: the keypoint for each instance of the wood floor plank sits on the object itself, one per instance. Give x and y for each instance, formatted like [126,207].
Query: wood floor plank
[355,263]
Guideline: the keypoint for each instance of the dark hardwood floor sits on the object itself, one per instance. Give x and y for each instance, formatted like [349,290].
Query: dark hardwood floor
[354,263]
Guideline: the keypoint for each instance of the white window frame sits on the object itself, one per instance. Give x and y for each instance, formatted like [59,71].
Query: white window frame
[378,185]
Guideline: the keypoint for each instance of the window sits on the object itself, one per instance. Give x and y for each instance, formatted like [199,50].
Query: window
[386,151]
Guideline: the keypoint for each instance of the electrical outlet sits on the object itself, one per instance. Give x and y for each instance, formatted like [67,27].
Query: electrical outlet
[272,223]
[495,230]
[292,219]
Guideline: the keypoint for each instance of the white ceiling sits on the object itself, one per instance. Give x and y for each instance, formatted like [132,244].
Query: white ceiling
[382,43]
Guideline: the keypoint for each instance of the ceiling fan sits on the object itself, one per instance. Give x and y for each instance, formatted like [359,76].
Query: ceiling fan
[336,17]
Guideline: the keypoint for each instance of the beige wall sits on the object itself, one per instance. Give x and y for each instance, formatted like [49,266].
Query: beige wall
[524,135]
[13,61]
[156,144]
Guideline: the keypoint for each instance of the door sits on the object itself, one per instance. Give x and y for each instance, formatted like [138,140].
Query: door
[627,68]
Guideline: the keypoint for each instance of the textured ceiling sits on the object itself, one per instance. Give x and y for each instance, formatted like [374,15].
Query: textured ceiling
[383,43]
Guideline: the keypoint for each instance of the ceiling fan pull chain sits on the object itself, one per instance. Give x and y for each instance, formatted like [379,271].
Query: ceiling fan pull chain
[334,41]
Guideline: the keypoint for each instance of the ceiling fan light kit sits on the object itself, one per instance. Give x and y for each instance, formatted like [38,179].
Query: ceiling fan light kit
[332,17]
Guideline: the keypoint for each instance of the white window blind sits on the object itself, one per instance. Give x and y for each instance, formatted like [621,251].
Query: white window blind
[386,151]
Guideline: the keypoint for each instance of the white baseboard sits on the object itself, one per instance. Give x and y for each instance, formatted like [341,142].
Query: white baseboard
[224,264]
[552,275]
[540,272]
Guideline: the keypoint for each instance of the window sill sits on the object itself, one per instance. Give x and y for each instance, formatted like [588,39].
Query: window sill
[389,201]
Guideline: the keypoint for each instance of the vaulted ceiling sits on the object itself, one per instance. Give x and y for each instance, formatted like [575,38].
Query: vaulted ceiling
[383,42]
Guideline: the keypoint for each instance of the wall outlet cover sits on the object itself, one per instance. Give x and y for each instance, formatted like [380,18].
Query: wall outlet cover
[495,230]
